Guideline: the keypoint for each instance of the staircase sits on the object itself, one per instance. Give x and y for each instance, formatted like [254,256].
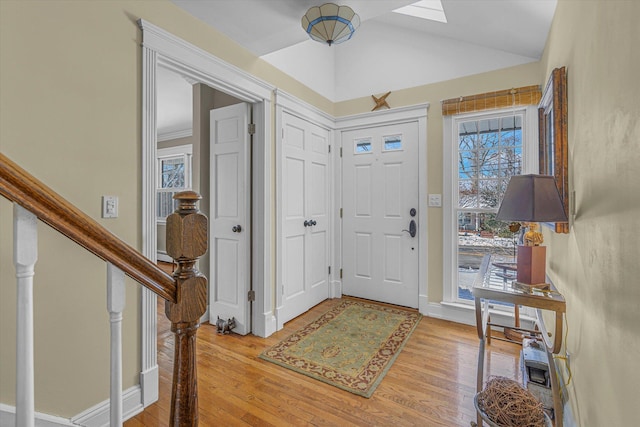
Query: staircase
[184,292]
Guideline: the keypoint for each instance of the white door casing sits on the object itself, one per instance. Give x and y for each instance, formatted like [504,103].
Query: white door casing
[380,175]
[160,47]
[305,217]
[230,223]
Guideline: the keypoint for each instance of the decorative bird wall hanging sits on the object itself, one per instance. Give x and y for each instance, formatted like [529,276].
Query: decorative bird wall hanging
[381,102]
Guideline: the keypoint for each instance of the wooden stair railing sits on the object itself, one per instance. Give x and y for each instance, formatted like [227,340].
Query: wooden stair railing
[184,293]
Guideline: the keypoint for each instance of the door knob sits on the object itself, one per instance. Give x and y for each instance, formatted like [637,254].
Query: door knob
[307,223]
[412,228]
[236,228]
[313,222]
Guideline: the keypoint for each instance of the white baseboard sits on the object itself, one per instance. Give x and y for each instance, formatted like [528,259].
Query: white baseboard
[149,383]
[8,418]
[466,314]
[98,415]
[206,317]
[270,325]
[423,304]
[162,256]
[336,289]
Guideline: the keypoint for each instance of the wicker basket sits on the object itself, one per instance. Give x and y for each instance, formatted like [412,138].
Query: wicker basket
[485,417]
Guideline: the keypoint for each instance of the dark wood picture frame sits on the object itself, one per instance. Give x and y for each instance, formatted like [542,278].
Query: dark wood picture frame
[553,136]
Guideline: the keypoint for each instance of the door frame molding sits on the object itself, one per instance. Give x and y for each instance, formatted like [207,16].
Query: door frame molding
[286,103]
[161,48]
[414,113]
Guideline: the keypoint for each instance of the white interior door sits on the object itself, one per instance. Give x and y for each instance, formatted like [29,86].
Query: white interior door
[380,199]
[230,269]
[305,217]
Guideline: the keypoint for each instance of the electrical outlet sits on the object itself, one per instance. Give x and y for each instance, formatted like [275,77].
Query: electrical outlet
[109,206]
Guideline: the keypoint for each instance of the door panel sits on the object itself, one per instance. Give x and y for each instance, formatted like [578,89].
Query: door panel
[230,268]
[380,186]
[305,200]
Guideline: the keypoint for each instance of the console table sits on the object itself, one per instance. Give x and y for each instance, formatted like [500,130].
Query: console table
[494,283]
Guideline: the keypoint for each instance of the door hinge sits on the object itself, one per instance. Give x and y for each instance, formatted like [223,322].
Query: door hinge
[340,212]
[252,128]
[341,273]
[329,270]
[251,295]
[340,151]
[329,148]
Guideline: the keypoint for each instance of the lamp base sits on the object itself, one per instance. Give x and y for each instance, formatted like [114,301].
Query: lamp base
[531,265]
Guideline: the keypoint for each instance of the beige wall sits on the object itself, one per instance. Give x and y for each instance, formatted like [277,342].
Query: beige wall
[71,86]
[70,113]
[596,265]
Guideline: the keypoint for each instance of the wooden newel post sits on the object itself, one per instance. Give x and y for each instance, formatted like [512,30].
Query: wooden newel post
[186,242]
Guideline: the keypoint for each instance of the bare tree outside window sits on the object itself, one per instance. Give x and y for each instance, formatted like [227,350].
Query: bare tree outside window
[174,175]
[489,153]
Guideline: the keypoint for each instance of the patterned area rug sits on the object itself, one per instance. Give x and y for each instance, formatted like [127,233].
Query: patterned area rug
[352,346]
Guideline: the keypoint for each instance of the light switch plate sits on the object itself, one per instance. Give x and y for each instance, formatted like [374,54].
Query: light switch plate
[109,206]
[435,200]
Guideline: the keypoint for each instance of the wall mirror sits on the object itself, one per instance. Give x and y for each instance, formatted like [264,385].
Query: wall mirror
[553,152]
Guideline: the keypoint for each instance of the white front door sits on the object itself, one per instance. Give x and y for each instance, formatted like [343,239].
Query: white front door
[380,200]
[305,217]
[230,269]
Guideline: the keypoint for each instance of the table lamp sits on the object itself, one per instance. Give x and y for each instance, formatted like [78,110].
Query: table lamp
[531,199]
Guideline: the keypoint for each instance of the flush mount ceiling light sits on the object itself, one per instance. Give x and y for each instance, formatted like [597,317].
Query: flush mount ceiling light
[330,23]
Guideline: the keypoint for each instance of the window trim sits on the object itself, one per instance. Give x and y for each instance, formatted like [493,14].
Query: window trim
[450,183]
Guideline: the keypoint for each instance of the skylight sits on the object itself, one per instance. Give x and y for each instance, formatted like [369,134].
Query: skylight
[425,9]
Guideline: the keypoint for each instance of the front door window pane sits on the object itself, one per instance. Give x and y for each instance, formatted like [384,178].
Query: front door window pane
[363,145]
[392,143]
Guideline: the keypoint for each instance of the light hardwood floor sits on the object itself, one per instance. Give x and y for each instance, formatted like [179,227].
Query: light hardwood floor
[431,383]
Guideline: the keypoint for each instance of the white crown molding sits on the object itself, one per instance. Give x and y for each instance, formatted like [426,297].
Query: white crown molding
[190,80]
[410,112]
[175,134]
[302,109]
[228,78]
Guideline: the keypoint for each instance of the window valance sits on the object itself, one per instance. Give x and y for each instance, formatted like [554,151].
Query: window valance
[526,95]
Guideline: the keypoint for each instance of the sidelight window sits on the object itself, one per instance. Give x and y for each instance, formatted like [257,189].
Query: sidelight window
[482,152]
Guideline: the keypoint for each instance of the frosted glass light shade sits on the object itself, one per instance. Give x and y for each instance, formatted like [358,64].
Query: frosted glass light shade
[330,23]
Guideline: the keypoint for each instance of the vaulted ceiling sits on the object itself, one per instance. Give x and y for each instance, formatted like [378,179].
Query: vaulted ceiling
[389,51]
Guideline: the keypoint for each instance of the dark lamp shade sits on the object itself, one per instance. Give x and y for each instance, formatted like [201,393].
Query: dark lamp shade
[532,198]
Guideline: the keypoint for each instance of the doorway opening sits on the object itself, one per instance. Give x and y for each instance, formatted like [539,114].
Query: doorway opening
[163,50]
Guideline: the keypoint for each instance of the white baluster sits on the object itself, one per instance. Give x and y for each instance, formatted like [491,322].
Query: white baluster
[115,305]
[25,255]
